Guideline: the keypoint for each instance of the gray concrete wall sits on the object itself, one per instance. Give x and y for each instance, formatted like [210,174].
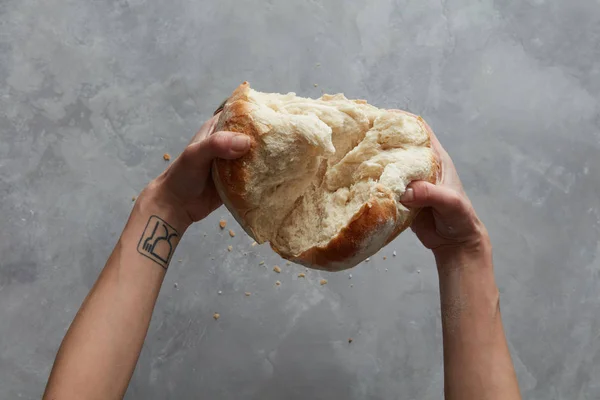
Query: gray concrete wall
[92,93]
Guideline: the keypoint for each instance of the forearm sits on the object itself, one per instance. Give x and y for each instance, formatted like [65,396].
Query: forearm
[477,363]
[99,352]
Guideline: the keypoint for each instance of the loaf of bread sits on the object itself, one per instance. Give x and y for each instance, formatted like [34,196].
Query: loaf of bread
[323,179]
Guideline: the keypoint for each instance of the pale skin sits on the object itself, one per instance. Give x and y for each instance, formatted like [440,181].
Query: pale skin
[100,350]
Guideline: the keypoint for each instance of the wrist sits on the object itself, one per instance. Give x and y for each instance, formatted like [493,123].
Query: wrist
[474,244]
[469,270]
[477,252]
[156,200]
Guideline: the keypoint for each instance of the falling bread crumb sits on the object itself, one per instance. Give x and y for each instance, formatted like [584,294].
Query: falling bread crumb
[278,283]
[222,224]
[229,248]
[277,269]
[231,233]
[216,316]
[166,157]
[323,282]
[301,275]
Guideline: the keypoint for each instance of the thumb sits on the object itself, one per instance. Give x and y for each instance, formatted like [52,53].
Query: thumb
[445,201]
[227,145]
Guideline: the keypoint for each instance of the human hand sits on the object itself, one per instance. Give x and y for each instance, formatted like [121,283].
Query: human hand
[447,221]
[186,186]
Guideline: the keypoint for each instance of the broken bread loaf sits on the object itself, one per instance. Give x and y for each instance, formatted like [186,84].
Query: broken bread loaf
[323,178]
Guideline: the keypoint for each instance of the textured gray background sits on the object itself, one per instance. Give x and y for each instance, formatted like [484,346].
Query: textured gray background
[92,93]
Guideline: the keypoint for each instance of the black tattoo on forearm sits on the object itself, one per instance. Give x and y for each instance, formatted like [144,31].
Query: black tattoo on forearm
[158,241]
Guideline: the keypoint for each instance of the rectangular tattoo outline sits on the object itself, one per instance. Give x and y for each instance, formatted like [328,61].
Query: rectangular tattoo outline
[146,248]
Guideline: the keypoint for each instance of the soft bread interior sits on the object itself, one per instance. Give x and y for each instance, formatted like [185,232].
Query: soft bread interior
[320,161]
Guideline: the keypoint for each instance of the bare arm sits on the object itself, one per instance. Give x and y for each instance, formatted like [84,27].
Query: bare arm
[477,362]
[98,354]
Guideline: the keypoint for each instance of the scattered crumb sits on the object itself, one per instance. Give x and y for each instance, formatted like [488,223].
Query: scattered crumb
[288,263]
[323,282]
[394,253]
[261,263]
[301,275]
[254,244]
[216,316]
[219,292]
[278,283]
[175,285]
[133,198]
[384,257]
[229,248]
[277,269]
[222,224]
[418,271]
[350,340]
[166,157]
[247,294]
[368,259]
[180,260]
[350,276]
[315,85]
[231,233]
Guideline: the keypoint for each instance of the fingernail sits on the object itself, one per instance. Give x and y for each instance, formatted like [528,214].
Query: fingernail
[240,143]
[408,196]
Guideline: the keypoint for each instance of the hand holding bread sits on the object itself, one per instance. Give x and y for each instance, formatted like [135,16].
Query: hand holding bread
[326,182]
[448,221]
